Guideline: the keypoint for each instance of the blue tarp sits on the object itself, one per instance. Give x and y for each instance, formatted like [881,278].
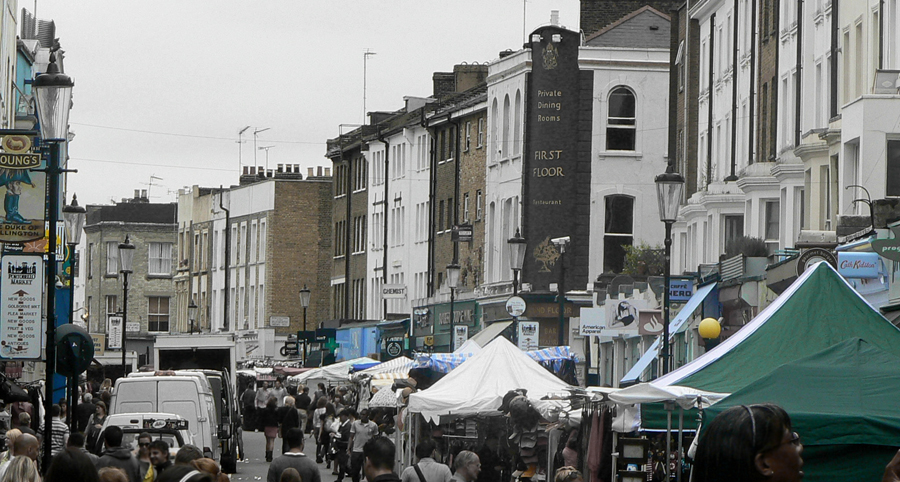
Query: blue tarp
[444,362]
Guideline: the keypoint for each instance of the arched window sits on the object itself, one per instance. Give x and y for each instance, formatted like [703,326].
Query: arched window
[620,128]
[504,147]
[495,138]
[517,127]
[618,231]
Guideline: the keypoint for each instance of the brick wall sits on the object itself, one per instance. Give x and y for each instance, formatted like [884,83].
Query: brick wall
[471,181]
[685,131]
[767,80]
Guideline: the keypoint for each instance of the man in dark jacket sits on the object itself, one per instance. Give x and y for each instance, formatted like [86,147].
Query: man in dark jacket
[302,403]
[83,412]
[116,455]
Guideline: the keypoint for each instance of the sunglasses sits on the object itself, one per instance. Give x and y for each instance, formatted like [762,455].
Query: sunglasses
[143,444]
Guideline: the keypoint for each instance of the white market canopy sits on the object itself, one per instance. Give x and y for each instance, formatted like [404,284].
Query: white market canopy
[391,369]
[685,397]
[338,372]
[478,386]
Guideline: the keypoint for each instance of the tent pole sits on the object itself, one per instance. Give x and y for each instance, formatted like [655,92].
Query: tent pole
[680,444]
[669,408]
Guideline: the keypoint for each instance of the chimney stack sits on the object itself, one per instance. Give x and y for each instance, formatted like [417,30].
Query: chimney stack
[137,193]
[144,194]
[327,172]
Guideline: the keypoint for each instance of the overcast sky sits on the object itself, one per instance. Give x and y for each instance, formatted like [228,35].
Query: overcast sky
[162,88]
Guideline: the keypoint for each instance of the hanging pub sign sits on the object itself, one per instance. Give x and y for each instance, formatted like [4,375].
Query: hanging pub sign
[23,191]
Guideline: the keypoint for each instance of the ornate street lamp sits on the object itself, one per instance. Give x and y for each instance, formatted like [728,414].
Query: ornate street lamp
[126,261]
[452,282]
[73,215]
[53,99]
[304,302]
[517,245]
[669,187]
[192,314]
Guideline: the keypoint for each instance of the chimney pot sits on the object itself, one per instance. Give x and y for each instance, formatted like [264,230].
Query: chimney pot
[327,172]
[554,17]
[246,170]
[319,171]
[281,168]
[137,193]
[143,194]
[309,172]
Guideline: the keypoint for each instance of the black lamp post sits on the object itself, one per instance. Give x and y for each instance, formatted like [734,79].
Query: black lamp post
[517,245]
[452,282]
[304,302]
[561,243]
[669,187]
[126,259]
[53,99]
[192,314]
[73,215]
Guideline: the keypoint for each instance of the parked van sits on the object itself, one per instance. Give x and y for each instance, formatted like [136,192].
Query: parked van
[189,396]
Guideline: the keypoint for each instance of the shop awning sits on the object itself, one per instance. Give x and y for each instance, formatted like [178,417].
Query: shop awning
[633,375]
[490,332]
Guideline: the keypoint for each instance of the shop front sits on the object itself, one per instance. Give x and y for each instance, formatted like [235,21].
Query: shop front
[432,327]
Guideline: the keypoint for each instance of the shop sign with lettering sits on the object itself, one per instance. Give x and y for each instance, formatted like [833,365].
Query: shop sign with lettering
[680,290]
[859,265]
[20,319]
[23,191]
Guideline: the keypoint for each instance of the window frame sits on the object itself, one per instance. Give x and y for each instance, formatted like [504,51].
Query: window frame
[609,235]
[622,124]
[112,258]
[151,313]
[161,260]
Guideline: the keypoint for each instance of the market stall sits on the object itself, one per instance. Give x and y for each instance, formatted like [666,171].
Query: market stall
[335,374]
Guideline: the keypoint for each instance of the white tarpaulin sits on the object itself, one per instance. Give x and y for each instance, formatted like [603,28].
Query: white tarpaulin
[398,368]
[479,384]
[685,397]
[338,372]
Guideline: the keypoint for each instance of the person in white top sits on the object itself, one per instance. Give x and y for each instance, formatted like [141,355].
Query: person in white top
[427,469]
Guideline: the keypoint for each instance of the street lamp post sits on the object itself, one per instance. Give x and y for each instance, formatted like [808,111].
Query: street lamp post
[669,186]
[304,302]
[517,245]
[561,243]
[53,99]
[126,258]
[452,282]
[192,314]
[73,215]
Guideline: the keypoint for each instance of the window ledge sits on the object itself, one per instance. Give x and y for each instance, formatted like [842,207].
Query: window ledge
[357,253]
[359,190]
[340,256]
[636,155]
[159,276]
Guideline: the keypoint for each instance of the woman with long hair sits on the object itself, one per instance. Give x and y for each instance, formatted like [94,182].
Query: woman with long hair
[210,467]
[21,469]
[94,425]
[317,415]
[325,435]
[269,420]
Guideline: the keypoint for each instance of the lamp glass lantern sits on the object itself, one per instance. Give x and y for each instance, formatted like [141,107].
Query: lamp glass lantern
[517,245]
[192,311]
[304,297]
[74,216]
[126,256]
[669,187]
[53,96]
[453,275]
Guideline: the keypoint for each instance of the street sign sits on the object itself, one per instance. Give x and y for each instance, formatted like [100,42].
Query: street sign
[133,327]
[461,233]
[460,336]
[279,321]
[114,332]
[680,290]
[23,202]
[529,332]
[20,319]
[515,306]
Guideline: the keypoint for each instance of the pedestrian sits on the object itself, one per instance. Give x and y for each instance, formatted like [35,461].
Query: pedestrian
[84,411]
[379,455]
[5,417]
[112,474]
[116,455]
[568,474]
[9,453]
[324,438]
[210,467]
[187,454]
[63,408]
[143,456]
[317,416]
[301,403]
[76,442]
[361,431]
[21,469]
[248,406]
[320,393]
[71,465]
[341,443]
[159,456]
[278,392]
[269,420]
[25,423]
[26,445]
[95,424]
[262,397]
[59,430]
[466,466]
[290,419]
[185,473]
[106,387]
[426,469]
[294,458]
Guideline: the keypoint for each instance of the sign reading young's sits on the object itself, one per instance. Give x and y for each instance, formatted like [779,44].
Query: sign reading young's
[23,191]
[20,317]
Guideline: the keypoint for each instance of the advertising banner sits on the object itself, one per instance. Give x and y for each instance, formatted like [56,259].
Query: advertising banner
[21,333]
[650,322]
[859,265]
[23,191]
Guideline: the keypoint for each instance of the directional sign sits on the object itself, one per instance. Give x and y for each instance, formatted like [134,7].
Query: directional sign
[20,318]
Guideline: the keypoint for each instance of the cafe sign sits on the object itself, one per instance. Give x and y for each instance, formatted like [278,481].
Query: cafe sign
[23,191]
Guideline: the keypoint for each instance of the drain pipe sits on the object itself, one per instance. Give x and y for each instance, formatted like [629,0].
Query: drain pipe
[384,241]
[226,296]
[734,92]
[709,115]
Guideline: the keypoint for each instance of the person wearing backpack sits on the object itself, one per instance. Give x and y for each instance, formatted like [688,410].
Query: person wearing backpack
[426,469]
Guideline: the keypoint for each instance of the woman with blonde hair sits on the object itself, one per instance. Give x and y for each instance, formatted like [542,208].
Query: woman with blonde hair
[21,469]
[111,474]
[568,474]
[11,436]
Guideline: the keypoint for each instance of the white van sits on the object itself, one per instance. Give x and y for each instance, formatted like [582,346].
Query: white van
[187,396]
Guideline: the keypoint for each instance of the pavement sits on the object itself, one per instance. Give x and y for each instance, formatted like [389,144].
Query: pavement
[255,468]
